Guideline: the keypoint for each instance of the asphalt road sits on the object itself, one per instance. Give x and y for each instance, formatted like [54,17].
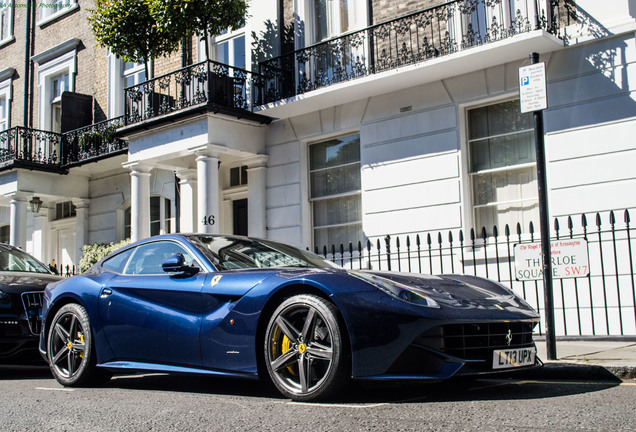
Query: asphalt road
[30,400]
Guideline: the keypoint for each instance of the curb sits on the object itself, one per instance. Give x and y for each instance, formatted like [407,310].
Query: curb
[571,371]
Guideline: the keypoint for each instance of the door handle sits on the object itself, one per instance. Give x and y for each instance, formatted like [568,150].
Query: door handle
[106,292]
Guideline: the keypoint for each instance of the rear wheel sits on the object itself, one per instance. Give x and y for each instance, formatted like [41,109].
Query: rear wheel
[305,353]
[70,348]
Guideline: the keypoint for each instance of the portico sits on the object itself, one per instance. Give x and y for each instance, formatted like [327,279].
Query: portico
[201,153]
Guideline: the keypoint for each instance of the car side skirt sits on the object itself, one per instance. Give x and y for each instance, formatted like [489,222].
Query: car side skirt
[131,366]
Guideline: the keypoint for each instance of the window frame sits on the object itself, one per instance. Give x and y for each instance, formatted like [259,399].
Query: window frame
[6,16]
[357,12]
[50,13]
[117,83]
[165,205]
[316,199]
[5,94]
[470,175]
[229,37]
[48,71]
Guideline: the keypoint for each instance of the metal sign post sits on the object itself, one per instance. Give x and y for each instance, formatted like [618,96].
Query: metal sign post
[533,97]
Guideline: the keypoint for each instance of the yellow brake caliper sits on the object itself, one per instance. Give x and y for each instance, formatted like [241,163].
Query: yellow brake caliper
[82,340]
[285,346]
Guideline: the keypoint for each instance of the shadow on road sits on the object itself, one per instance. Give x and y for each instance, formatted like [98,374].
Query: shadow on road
[13,372]
[547,382]
[542,383]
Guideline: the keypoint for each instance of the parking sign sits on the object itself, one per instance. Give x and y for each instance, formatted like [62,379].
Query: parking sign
[532,88]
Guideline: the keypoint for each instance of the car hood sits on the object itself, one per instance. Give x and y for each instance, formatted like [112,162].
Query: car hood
[460,291]
[18,282]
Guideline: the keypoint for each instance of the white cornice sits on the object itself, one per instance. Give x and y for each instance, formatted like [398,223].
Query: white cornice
[6,73]
[56,51]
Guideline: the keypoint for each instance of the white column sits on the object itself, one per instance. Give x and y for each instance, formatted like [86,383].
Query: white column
[208,190]
[139,201]
[256,196]
[40,230]
[188,200]
[17,232]
[81,232]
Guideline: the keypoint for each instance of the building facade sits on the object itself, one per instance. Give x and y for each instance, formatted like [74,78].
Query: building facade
[320,123]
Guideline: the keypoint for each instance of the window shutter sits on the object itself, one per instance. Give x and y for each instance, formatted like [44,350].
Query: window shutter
[77,111]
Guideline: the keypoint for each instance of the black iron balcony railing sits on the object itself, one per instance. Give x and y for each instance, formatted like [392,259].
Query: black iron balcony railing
[418,37]
[211,84]
[93,142]
[21,146]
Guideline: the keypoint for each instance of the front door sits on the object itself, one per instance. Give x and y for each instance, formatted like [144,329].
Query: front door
[239,209]
[66,250]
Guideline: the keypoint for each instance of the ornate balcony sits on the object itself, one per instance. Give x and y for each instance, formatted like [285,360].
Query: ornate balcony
[205,86]
[35,149]
[30,148]
[92,143]
[423,36]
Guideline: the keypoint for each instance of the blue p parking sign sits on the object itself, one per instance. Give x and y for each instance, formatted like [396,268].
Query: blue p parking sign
[532,88]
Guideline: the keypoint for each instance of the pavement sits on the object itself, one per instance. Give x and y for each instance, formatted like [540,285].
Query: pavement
[589,358]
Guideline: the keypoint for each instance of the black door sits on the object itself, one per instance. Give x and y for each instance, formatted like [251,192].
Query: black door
[240,217]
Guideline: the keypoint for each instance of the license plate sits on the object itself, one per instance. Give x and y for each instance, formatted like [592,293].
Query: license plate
[502,359]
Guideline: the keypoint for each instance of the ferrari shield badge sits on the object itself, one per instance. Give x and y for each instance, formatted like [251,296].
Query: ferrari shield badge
[215,280]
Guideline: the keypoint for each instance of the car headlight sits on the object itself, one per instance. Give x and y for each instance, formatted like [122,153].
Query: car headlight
[403,292]
[4,297]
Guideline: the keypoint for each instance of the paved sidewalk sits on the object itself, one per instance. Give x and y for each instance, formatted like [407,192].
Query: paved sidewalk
[590,358]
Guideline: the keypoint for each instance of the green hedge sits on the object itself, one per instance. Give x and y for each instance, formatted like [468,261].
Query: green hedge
[92,253]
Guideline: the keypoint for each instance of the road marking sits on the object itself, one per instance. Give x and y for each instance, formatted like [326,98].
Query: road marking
[375,405]
[55,389]
[327,405]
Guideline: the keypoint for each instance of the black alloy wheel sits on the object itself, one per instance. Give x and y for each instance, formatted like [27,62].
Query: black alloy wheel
[70,347]
[305,351]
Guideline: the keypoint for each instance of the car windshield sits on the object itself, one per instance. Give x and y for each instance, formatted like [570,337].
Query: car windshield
[15,260]
[227,253]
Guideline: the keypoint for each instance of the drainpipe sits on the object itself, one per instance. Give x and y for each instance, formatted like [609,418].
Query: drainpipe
[27,65]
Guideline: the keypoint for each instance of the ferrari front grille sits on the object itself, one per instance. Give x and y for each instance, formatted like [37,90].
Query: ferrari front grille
[476,341]
[33,307]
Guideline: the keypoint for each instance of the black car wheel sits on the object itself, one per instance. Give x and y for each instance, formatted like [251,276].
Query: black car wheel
[305,353]
[70,347]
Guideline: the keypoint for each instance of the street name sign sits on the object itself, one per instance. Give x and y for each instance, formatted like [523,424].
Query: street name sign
[533,94]
[569,260]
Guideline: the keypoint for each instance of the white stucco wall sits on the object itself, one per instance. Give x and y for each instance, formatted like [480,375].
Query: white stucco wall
[414,176]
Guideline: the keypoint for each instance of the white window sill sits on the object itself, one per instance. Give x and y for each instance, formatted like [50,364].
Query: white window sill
[57,14]
[6,41]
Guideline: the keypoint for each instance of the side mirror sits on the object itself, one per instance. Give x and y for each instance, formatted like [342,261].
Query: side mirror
[176,264]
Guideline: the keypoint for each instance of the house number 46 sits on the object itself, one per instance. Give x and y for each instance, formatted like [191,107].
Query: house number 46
[208,220]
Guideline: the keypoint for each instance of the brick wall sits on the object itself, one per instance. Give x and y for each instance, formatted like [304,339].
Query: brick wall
[91,67]
[73,24]
[13,56]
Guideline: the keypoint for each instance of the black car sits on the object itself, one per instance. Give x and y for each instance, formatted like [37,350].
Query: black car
[22,280]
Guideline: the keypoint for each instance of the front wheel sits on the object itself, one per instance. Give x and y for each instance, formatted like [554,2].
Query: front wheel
[305,351]
[70,347]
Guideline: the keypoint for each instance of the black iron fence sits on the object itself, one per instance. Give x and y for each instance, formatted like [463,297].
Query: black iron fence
[415,38]
[600,301]
[93,142]
[206,83]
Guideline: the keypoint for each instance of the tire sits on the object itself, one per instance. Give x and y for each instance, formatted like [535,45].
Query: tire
[71,349]
[305,349]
